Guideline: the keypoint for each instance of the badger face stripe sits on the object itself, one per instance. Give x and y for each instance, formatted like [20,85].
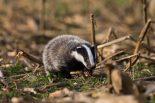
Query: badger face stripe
[90,55]
[79,57]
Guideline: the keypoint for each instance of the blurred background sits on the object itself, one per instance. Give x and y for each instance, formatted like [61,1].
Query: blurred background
[30,24]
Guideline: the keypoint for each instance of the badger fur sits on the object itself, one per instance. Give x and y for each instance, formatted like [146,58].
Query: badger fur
[67,53]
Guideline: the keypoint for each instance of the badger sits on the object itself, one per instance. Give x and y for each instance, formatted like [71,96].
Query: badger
[66,53]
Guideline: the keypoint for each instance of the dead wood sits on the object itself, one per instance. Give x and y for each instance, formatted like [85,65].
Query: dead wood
[113,55]
[31,57]
[42,19]
[113,42]
[125,58]
[110,33]
[151,78]
[139,43]
[93,36]
[145,20]
[147,58]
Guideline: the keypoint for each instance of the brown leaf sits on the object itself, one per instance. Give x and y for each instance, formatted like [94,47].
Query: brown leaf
[116,79]
[60,93]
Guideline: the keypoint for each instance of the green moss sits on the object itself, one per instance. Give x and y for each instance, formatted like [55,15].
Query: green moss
[15,69]
[143,70]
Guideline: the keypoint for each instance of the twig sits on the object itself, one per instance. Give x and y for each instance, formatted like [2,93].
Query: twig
[151,49]
[142,36]
[145,21]
[145,10]
[113,42]
[17,76]
[128,57]
[31,57]
[93,36]
[111,32]
[109,57]
[147,58]
[100,57]
[139,43]
[44,88]
[21,79]
[152,78]
[36,68]
[113,55]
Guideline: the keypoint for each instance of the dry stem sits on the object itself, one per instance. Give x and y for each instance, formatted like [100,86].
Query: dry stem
[145,21]
[111,32]
[31,57]
[113,42]
[128,57]
[93,36]
[139,43]
[113,55]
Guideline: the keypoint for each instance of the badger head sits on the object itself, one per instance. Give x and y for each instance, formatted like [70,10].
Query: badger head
[85,54]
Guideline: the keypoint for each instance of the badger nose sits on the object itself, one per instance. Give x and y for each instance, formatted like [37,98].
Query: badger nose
[92,67]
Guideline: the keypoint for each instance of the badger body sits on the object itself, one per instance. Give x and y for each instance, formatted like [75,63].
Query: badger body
[67,53]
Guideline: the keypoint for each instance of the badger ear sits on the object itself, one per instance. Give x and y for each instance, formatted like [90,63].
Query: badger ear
[79,49]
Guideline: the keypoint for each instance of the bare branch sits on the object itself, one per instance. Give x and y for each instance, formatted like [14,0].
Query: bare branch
[113,42]
[93,36]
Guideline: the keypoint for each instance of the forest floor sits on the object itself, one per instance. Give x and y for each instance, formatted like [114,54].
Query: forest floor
[22,26]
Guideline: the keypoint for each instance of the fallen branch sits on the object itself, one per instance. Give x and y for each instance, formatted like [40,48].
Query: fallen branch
[151,49]
[30,57]
[125,58]
[44,88]
[113,55]
[152,78]
[109,57]
[142,36]
[145,21]
[138,45]
[113,42]
[147,58]
[42,19]
[110,33]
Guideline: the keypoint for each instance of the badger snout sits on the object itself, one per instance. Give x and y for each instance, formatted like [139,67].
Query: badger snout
[91,67]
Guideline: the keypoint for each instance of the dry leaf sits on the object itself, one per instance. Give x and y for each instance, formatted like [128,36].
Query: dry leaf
[17,100]
[31,90]
[12,53]
[116,79]
[60,93]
